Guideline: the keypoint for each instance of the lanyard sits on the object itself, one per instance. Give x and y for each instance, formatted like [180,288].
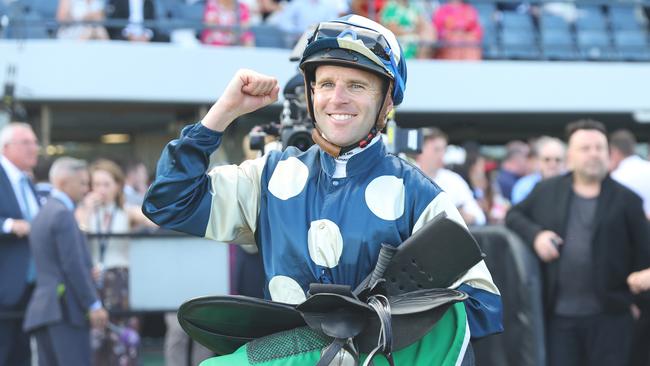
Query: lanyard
[103,239]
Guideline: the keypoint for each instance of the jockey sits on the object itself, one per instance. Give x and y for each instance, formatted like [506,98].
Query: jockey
[320,216]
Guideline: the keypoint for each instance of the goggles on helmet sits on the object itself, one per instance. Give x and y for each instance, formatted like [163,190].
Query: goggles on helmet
[365,41]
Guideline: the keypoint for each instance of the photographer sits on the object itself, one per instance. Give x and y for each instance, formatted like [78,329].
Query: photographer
[320,216]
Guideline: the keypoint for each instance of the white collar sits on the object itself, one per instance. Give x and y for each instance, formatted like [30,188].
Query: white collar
[64,198]
[356,150]
[342,160]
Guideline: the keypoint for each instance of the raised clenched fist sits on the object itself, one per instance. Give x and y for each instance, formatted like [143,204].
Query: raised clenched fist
[246,92]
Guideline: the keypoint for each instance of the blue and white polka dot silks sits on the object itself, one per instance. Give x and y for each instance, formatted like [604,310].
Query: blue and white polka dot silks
[308,226]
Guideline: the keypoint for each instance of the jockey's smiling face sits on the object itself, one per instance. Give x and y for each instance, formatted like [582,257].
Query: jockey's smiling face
[346,102]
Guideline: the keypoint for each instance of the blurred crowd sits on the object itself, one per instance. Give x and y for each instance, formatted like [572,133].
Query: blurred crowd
[104,197]
[449,30]
[455,29]
[486,185]
[68,276]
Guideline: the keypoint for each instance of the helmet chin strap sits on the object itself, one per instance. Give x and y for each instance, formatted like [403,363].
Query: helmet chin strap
[336,150]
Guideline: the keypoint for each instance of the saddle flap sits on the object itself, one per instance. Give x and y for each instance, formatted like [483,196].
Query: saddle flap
[336,315]
[215,342]
[412,316]
[225,323]
[433,257]
[422,301]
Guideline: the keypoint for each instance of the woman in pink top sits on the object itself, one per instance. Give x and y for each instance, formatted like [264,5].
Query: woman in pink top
[459,30]
[223,13]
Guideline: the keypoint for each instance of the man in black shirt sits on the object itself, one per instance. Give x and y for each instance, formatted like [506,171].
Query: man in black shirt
[590,233]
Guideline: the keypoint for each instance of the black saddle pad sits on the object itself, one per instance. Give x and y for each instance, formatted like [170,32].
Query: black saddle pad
[225,323]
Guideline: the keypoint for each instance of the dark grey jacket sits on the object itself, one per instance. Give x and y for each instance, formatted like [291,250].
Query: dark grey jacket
[61,256]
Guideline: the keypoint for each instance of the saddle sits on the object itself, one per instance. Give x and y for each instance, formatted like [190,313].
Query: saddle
[395,306]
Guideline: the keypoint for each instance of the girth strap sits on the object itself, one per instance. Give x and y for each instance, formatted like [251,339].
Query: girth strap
[335,348]
[381,305]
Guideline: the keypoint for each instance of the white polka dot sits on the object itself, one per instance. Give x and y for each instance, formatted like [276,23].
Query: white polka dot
[286,289]
[385,197]
[325,243]
[288,179]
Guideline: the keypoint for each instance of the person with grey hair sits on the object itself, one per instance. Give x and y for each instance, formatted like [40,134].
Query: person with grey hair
[65,167]
[628,168]
[549,155]
[513,167]
[19,204]
[65,301]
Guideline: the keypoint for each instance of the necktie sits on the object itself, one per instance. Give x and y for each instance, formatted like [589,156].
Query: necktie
[24,192]
[29,215]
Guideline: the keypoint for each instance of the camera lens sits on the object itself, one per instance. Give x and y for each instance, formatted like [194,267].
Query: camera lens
[300,139]
[256,141]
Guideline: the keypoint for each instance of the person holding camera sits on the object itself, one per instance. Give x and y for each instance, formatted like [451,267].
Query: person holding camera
[319,216]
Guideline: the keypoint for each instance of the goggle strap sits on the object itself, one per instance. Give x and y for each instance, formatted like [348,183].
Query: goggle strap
[398,78]
[346,32]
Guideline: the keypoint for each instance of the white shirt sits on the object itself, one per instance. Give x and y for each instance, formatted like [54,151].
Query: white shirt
[80,8]
[136,17]
[297,15]
[14,174]
[112,220]
[460,193]
[634,173]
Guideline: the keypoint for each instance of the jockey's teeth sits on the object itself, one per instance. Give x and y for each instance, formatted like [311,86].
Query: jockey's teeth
[341,117]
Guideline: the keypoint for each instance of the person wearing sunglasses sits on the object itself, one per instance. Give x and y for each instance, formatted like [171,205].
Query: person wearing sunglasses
[320,216]
[549,155]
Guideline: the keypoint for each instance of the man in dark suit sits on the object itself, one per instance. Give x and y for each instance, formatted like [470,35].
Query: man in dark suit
[136,13]
[590,233]
[18,204]
[65,297]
